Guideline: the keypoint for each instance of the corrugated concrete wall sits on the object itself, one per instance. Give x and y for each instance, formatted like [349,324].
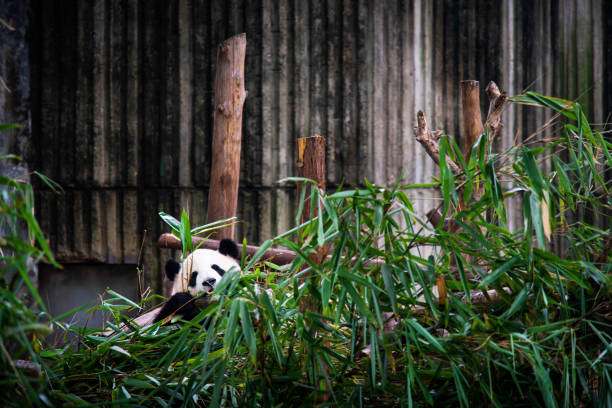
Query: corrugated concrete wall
[123,91]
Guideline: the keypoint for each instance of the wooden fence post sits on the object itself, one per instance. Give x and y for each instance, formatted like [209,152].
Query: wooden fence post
[227,133]
[310,164]
[472,120]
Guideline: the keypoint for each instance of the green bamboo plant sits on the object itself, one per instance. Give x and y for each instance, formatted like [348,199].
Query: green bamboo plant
[22,246]
[376,331]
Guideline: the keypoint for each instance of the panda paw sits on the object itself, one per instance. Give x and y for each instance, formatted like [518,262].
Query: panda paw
[181,304]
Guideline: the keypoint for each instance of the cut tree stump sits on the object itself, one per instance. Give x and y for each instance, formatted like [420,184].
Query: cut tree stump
[472,120]
[310,164]
[473,128]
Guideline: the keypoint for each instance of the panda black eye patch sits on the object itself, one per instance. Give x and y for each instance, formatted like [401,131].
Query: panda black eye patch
[219,270]
[192,280]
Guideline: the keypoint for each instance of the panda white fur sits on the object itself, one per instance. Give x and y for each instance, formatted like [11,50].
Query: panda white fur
[199,273]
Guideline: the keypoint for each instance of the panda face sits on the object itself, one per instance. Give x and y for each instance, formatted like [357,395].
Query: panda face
[201,271]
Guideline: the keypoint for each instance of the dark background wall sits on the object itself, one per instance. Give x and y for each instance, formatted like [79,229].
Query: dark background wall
[122,92]
[14,83]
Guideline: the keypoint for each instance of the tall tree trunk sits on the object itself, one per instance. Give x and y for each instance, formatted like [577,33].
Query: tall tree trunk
[227,134]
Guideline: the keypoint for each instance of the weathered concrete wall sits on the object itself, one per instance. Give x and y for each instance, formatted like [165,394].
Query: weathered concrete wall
[84,284]
[123,92]
[14,84]
[14,109]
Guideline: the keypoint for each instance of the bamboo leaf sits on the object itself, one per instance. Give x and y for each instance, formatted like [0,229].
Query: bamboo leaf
[533,172]
[120,350]
[388,280]
[497,273]
[259,253]
[427,337]
[536,219]
[248,331]
[230,338]
[9,126]
[185,232]
[519,301]
[213,226]
[320,233]
[559,105]
[545,216]
[265,300]
[171,221]
[126,300]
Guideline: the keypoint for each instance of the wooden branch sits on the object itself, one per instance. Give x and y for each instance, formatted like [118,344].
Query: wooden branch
[434,217]
[472,120]
[480,298]
[497,100]
[429,140]
[29,367]
[227,133]
[276,256]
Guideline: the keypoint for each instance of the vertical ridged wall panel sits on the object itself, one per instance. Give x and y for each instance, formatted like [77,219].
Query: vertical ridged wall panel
[123,94]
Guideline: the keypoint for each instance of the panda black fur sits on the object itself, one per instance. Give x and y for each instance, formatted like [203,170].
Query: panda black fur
[199,273]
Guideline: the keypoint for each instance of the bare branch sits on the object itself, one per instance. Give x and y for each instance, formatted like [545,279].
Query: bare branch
[429,140]
[497,99]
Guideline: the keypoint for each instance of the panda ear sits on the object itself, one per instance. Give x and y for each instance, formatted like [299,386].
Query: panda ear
[172,268]
[229,247]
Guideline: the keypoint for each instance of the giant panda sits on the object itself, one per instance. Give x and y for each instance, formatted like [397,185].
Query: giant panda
[199,273]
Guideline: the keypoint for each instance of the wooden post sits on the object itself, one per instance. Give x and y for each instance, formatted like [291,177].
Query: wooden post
[473,128]
[227,133]
[472,120]
[310,164]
